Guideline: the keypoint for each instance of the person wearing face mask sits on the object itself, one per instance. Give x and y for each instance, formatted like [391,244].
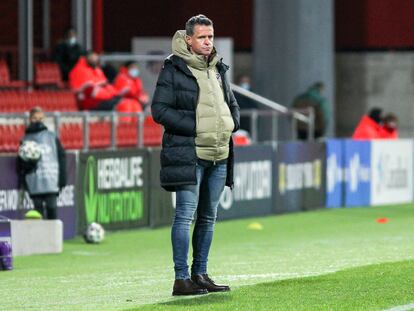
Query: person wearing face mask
[43,179]
[129,83]
[245,103]
[67,53]
[93,90]
[389,128]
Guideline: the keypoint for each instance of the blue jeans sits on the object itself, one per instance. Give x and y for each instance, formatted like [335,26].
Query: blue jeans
[203,198]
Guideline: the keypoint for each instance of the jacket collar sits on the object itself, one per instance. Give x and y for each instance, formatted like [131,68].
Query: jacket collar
[35,127]
[180,64]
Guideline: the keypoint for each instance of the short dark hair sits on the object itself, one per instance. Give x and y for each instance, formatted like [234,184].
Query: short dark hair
[375,114]
[69,31]
[35,110]
[199,19]
[390,117]
[318,85]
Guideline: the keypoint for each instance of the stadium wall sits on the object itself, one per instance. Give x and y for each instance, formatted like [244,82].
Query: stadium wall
[374,79]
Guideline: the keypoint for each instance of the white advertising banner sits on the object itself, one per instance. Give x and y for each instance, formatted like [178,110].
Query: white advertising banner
[392,171]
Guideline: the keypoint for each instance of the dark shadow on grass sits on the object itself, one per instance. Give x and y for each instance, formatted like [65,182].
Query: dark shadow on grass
[189,301]
[199,300]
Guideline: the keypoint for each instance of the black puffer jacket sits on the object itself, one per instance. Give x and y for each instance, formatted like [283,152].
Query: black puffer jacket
[174,106]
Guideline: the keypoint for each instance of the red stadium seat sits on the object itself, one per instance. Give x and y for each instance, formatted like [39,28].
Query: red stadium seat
[71,135]
[11,134]
[152,132]
[5,81]
[47,74]
[23,101]
[126,134]
[68,101]
[99,134]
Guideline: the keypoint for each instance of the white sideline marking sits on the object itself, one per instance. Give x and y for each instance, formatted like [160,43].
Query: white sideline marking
[407,307]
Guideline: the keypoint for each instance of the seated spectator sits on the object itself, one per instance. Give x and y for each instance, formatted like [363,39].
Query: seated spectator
[389,127]
[94,91]
[370,125]
[67,53]
[129,83]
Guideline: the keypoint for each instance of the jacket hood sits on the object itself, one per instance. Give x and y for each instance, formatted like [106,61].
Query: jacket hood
[180,49]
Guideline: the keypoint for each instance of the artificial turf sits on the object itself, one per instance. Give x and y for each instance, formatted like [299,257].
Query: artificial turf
[374,287]
[294,263]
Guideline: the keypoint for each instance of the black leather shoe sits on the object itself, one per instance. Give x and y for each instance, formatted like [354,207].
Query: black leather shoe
[204,281]
[187,287]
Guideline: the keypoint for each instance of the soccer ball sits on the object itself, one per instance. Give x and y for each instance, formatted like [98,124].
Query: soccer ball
[94,233]
[29,150]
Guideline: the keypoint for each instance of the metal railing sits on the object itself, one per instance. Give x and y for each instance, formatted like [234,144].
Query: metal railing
[273,113]
[276,111]
[306,116]
[55,120]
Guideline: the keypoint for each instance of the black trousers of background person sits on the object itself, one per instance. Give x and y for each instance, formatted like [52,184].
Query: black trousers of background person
[109,104]
[46,204]
[303,134]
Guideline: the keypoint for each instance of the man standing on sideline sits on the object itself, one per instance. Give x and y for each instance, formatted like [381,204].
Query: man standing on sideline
[45,178]
[194,103]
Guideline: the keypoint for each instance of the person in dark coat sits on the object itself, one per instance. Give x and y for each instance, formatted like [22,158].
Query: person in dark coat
[67,53]
[194,103]
[245,103]
[313,98]
[43,179]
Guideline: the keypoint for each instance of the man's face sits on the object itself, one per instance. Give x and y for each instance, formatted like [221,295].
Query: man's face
[201,42]
[37,117]
[93,60]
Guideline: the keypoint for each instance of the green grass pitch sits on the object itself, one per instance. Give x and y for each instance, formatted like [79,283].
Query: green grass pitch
[340,259]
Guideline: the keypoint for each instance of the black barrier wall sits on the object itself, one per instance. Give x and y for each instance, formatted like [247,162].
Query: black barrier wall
[301,176]
[113,189]
[253,192]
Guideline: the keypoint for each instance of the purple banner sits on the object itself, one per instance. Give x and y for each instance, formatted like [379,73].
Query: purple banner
[14,204]
[5,230]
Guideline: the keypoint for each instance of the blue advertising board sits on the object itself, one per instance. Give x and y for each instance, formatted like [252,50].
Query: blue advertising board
[357,173]
[335,173]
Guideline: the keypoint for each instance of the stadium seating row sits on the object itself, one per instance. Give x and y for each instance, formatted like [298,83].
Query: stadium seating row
[5,81]
[15,99]
[23,101]
[71,135]
[10,136]
[47,74]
